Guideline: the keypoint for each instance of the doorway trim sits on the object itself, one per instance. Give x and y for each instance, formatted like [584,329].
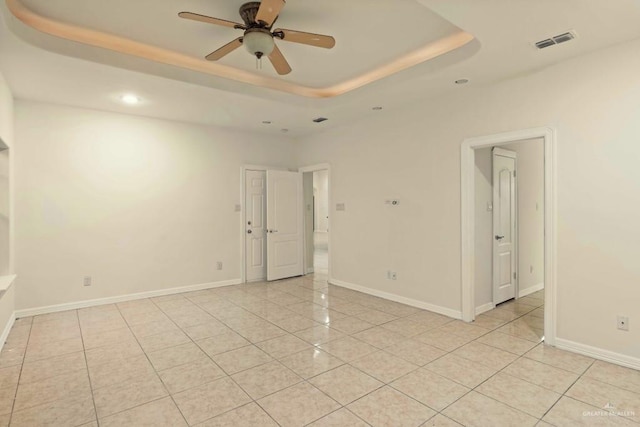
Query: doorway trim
[467,206]
[315,168]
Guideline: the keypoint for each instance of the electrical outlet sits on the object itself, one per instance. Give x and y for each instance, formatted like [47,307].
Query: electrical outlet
[392,275]
[219,265]
[87,281]
[623,323]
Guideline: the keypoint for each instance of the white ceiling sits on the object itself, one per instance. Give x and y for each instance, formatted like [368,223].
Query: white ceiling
[71,74]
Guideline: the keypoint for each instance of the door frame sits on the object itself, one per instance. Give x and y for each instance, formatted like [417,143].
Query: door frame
[467,226]
[243,195]
[315,168]
[516,238]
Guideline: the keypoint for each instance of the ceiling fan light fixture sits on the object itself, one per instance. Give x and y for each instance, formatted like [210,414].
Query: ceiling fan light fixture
[258,43]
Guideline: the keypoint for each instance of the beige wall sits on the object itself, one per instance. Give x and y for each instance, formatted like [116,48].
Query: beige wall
[7,299]
[530,167]
[413,153]
[138,204]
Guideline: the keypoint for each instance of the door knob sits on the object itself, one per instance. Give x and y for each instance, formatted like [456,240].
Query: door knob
[499,237]
[249,231]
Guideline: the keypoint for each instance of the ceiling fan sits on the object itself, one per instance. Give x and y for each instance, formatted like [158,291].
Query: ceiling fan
[258,37]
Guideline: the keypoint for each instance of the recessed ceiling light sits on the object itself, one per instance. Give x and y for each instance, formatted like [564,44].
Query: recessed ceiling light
[130,99]
[377,108]
[462,81]
[266,122]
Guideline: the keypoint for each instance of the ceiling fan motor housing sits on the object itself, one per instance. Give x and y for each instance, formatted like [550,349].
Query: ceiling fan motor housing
[248,12]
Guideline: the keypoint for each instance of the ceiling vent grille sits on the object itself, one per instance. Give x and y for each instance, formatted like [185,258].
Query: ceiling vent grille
[560,38]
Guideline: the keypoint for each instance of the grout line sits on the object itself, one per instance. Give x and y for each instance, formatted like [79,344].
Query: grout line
[15,394]
[86,364]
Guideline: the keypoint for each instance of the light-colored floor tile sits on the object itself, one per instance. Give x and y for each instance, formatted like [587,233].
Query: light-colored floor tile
[389,407]
[545,376]
[206,330]
[108,374]
[241,359]
[340,418]
[12,356]
[519,394]
[376,317]
[9,376]
[175,356]
[441,339]
[200,403]
[70,411]
[486,355]
[619,376]
[522,330]
[345,384]
[474,409]
[507,343]
[159,413]
[283,346]
[119,397]
[560,358]
[57,348]
[152,343]
[184,377]
[260,333]
[47,368]
[433,390]
[489,322]
[380,337]
[408,328]
[461,370]
[600,394]
[52,389]
[384,366]
[464,330]
[441,421]
[247,415]
[7,396]
[294,323]
[311,362]
[266,379]
[348,348]
[415,352]
[119,352]
[107,338]
[153,328]
[222,343]
[350,325]
[319,334]
[298,405]
[569,412]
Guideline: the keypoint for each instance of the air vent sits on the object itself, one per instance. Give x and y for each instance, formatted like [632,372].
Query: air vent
[560,38]
[320,119]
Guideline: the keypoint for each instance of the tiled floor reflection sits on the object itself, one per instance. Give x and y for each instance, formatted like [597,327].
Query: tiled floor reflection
[301,352]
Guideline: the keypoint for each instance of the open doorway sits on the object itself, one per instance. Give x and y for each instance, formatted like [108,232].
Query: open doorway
[316,219]
[529,271]
[509,236]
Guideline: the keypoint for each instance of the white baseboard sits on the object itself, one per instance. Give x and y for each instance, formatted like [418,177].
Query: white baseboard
[7,330]
[598,353]
[397,298]
[484,308]
[530,290]
[129,297]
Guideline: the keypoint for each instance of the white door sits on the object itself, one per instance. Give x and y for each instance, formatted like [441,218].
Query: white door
[284,225]
[504,225]
[255,225]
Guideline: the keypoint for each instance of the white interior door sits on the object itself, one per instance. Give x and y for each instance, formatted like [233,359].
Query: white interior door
[284,225]
[504,225]
[255,225]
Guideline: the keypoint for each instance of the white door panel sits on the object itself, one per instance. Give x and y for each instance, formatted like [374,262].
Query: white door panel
[255,231]
[284,225]
[504,225]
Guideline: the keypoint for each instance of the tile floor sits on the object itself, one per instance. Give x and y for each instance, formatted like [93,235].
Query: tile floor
[300,352]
